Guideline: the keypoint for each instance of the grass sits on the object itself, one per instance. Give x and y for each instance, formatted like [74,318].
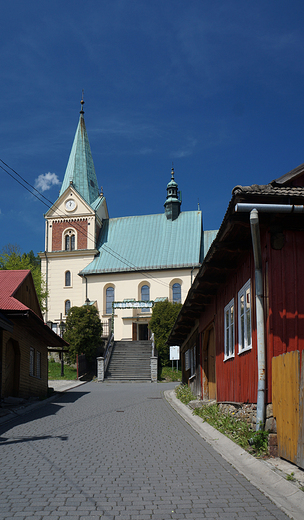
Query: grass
[291,477]
[184,394]
[237,430]
[167,374]
[54,371]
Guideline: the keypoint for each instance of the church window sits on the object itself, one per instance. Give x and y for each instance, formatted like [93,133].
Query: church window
[67,278]
[109,299]
[145,296]
[70,240]
[67,243]
[67,306]
[176,293]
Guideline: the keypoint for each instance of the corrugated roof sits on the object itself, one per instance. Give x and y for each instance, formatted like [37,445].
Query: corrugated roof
[9,283]
[80,169]
[148,242]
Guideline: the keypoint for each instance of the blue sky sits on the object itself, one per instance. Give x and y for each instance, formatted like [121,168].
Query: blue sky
[214,87]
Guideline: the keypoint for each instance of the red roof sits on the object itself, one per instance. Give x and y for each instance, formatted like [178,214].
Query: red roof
[10,281]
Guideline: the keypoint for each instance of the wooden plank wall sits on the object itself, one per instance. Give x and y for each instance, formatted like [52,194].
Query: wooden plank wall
[285,398]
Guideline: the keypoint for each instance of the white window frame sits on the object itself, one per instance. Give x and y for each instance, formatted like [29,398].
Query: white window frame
[244,341]
[229,338]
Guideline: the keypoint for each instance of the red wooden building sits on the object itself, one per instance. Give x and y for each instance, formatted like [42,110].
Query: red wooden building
[227,309]
[24,338]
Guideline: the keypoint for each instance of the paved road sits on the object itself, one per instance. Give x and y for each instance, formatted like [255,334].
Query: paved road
[118,451]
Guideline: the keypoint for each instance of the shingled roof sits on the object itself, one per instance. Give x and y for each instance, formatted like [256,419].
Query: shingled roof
[10,281]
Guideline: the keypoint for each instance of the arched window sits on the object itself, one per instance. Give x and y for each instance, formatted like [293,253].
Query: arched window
[67,278]
[67,306]
[67,243]
[69,240]
[109,299]
[176,293]
[145,296]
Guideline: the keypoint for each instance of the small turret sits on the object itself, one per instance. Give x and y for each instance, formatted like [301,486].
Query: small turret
[173,202]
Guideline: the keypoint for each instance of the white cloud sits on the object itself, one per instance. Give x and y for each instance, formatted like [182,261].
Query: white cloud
[45,181]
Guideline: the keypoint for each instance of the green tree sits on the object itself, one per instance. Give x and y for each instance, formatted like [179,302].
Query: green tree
[163,318]
[11,258]
[83,331]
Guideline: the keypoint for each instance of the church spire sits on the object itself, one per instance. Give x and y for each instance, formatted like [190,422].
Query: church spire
[80,170]
[173,202]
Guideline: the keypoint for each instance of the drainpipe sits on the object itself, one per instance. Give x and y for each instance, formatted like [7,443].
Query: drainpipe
[257,254]
[86,284]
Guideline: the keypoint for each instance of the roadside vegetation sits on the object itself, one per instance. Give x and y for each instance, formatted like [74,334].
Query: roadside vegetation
[169,375]
[237,430]
[54,371]
[83,332]
[163,318]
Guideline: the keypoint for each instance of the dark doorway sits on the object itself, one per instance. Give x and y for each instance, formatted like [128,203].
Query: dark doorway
[143,331]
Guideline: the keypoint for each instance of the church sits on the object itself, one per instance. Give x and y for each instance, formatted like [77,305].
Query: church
[121,265]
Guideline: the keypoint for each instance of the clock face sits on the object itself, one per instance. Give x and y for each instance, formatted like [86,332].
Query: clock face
[70,205]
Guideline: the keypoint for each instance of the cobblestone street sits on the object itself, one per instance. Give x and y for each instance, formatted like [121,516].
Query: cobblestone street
[118,451]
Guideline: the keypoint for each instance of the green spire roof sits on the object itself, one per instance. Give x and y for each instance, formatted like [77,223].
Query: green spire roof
[80,169]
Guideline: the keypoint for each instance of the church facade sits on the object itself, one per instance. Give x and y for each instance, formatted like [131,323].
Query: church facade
[120,265]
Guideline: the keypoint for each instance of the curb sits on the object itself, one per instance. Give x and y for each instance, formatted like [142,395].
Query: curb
[284,494]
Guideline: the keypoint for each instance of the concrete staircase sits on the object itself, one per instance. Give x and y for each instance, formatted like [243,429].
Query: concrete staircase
[130,361]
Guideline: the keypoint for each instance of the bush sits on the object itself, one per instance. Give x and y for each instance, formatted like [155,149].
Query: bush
[83,331]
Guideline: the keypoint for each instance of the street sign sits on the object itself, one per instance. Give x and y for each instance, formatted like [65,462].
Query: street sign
[174,353]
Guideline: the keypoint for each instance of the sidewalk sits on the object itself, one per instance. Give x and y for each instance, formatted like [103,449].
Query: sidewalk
[267,476]
[13,407]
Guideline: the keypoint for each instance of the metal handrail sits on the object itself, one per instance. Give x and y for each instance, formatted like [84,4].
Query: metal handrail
[108,351]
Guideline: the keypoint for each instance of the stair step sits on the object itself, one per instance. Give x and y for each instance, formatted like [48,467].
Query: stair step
[130,361]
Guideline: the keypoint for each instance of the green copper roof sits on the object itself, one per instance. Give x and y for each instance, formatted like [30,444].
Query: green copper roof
[80,169]
[148,242]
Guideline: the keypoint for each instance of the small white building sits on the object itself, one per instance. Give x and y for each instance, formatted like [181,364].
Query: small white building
[120,262]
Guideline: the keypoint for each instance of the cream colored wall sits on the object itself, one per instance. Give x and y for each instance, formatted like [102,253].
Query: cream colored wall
[58,293]
[127,286]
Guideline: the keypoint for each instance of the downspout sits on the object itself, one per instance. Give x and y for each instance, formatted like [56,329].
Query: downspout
[257,254]
[86,290]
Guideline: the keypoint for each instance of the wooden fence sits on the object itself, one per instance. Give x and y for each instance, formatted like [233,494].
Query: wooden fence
[288,406]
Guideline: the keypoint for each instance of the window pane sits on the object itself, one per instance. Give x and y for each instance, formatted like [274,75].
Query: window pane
[38,364]
[176,293]
[67,278]
[67,306]
[248,318]
[145,297]
[67,243]
[109,299]
[73,243]
[31,361]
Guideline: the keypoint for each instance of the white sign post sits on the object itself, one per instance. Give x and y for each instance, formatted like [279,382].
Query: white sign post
[175,355]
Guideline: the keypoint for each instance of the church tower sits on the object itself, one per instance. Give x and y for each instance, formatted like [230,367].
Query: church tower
[73,225]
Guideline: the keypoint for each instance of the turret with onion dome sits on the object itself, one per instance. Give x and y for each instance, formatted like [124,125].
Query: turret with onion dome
[173,202]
